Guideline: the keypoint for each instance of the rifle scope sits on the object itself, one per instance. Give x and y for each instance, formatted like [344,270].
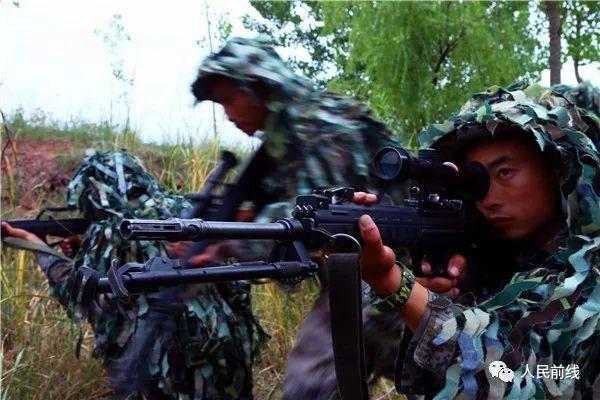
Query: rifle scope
[396,164]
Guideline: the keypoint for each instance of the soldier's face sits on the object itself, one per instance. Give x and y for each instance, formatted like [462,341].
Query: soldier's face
[522,202]
[247,112]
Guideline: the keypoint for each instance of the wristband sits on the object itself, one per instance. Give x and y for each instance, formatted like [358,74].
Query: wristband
[393,302]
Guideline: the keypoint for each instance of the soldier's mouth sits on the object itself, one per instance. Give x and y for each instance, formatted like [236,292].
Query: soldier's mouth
[500,222]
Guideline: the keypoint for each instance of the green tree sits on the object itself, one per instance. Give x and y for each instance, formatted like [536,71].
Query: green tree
[581,30]
[299,24]
[413,62]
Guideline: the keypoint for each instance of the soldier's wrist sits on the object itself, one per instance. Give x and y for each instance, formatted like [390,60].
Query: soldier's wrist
[384,301]
[390,283]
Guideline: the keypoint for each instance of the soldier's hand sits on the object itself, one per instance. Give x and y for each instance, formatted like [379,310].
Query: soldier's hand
[213,254]
[179,249]
[457,267]
[374,254]
[8,230]
[364,198]
[70,245]
[377,262]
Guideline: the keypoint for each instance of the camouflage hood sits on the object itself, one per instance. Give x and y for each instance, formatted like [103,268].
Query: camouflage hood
[112,183]
[555,122]
[548,312]
[302,120]
[249,61]
[108,187]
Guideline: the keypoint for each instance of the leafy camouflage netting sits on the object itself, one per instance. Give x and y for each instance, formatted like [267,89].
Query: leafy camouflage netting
[201,337]
[546,315]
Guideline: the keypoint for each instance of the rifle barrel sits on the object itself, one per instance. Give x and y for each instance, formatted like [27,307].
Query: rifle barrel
[176,229]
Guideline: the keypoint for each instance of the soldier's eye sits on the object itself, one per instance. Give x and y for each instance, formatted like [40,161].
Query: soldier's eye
[505,173]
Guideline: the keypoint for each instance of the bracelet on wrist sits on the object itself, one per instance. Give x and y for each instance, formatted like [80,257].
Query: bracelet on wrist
[393,302]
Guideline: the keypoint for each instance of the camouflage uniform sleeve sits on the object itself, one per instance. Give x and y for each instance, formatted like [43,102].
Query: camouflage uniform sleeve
[539,318]
[58,273]
[421,367]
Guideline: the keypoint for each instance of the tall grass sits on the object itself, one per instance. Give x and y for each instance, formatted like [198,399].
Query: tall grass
[38,339]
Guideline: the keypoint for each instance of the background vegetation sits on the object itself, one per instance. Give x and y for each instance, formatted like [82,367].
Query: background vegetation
[416,62]
[411,62]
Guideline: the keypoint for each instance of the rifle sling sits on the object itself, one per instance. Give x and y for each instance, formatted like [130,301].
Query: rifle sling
[345,302]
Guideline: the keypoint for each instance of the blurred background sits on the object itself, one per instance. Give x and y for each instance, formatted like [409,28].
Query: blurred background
[112,74]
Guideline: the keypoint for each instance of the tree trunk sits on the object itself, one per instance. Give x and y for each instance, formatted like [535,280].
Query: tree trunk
[553,12]
[576,65]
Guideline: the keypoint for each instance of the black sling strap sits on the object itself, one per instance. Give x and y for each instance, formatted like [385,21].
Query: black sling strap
[345,302]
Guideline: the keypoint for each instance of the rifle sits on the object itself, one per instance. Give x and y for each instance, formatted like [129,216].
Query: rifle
[433,219]
[434,216]
[63,227]
[434,222]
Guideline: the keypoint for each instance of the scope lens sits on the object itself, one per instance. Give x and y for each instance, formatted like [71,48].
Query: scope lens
[388,163]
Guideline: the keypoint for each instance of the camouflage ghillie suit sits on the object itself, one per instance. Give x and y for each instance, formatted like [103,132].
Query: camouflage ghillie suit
[318,139]
[189,342]
[547,313]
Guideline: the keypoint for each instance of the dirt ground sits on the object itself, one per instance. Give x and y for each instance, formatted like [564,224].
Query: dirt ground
[34,170]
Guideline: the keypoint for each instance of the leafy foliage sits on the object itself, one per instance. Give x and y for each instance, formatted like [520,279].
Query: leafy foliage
[299,25]
[413,62]
[581,25]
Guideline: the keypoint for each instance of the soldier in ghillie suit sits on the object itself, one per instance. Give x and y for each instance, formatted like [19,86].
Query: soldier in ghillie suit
[190,342]
[543,211]
[316,139]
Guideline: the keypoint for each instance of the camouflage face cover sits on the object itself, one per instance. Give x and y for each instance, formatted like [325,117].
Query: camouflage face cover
[113,183]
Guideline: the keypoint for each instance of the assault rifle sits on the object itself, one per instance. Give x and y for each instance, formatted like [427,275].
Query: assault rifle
[434,222]
[224,206]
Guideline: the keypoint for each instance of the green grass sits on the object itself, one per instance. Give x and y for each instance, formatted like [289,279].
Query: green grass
[39,127]
[39,340]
